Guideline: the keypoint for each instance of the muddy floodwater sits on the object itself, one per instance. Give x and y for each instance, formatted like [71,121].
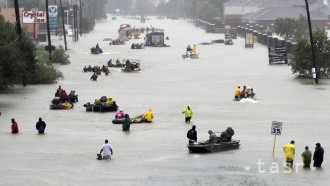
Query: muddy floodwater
[156,154]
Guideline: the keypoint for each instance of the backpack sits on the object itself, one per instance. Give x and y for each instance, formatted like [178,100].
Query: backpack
[190,134]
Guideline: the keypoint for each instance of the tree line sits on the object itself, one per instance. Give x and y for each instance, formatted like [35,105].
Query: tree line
[22,63]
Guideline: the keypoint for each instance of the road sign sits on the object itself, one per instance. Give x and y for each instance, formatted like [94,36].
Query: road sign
[52,11]
[276,128]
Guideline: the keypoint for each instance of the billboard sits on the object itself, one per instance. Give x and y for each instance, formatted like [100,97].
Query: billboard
[34,16]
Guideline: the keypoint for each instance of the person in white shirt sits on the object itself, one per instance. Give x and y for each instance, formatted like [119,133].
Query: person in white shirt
[107,150]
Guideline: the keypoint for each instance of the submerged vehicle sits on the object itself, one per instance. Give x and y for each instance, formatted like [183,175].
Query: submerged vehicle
[135,120]
[229,42]
[155,39]
[137,46]
[218,41]
[191,56]
[223,142]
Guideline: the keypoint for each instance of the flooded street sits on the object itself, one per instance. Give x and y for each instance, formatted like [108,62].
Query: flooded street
[157,153]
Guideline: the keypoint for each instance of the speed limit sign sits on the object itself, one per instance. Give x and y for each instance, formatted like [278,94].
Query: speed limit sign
[276,128]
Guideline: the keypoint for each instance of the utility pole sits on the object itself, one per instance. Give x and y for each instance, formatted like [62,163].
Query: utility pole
[19,31]
[63,27]
[80,18]
[312,43]
[18,20]
[48,32]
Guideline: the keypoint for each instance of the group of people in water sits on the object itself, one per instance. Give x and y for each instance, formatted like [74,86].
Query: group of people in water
[192,50]
[96,49]
[40,126]
[213,138]
[247,92]
[118,63]
[117,42]
[96,71]
[61,98]
[290,149]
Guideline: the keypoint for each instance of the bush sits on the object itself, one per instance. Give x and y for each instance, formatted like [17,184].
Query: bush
[59,56]
[45,73]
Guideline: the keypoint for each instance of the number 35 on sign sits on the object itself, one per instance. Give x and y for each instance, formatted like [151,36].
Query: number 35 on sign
[276,128]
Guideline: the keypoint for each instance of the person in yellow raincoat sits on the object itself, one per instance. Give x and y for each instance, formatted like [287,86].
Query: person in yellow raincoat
[188,114]
[194,49]
[110,101]
[289,150]
[67,105]
[238,92]
[147,117]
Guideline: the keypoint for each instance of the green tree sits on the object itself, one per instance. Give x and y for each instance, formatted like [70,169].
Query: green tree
[19,62]
[284,27]
[302,62]
[290,28]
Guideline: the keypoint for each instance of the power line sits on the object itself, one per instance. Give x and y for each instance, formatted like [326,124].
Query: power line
[5,46]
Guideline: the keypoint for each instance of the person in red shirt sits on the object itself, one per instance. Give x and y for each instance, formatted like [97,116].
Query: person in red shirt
[63,94]
[14,126]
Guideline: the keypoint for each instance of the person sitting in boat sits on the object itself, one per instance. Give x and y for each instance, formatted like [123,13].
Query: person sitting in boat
[94,77]
[56,101]
[97,47]
[63,94]
[194,49]
[110,101]
[244,92]
[58,91]
[117,62]
[110,62]
[188,49]
[251,94]
[73,95]
[89,68]
[133,46]
[120,114]
[238,93]
[147,117]
[85,69]
[213,137]
[192,134]
[67,105]
[104,99]
[127,65]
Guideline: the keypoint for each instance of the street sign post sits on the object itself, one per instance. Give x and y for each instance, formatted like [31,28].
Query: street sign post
[276,129]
